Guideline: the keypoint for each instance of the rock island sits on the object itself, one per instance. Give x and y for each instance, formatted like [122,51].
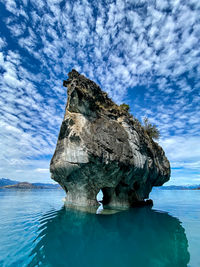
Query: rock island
[101,146]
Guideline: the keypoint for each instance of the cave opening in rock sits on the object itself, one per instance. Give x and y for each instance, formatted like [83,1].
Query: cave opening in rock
[100,196]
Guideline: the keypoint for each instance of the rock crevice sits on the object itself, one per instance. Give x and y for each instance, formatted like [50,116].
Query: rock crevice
[102,147]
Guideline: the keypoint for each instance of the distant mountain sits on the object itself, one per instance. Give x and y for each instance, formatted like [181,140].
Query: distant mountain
[23,185]
[180,187]
[4,182]
[11,184]
[47,186]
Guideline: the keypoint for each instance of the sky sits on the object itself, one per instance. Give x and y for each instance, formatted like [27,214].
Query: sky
[144,53]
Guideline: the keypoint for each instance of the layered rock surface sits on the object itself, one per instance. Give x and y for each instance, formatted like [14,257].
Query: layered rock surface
[102,147]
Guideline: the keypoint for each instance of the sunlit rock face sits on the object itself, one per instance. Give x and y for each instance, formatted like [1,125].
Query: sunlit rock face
[101,146]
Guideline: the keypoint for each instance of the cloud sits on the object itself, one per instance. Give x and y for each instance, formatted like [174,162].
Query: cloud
[42,170]
[184,154]
[2,43]
[182,148]
[142,52]
[23,112]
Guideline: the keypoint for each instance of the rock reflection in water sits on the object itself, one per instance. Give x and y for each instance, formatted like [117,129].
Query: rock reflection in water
[137,237]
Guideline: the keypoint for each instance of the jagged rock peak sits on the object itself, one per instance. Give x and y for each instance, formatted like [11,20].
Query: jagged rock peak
[101,146]
[86,97]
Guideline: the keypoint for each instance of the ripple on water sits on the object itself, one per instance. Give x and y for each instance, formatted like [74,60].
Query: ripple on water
[36,230]
[129,238]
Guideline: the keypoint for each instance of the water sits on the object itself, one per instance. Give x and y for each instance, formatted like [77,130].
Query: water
[36,230]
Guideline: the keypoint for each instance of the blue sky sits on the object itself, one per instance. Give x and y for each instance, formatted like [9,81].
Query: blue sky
[144,53]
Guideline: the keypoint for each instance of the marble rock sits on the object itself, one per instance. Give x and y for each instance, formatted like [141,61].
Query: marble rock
[102,147]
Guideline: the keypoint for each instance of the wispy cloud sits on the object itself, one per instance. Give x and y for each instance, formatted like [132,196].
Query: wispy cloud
[42,170]
[141,52]
[184,154]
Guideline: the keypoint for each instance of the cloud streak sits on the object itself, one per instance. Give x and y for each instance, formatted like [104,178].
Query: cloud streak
[141,52]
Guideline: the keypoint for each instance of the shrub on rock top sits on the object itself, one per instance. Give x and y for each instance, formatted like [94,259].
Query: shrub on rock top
[151,129]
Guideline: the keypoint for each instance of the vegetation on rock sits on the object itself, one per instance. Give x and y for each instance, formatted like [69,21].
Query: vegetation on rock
[151,129]
[124,107]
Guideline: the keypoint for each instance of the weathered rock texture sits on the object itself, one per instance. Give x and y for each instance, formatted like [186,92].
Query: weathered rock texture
[101,146]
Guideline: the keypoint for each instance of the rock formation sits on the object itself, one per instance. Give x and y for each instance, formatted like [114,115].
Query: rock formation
[102,147]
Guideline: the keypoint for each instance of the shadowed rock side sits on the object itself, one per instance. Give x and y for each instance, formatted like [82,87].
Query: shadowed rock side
[101,146]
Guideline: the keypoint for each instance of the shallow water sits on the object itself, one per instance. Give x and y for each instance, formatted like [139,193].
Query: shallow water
[36,230]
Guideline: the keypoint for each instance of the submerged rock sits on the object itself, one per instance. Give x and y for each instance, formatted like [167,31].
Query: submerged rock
[102,147]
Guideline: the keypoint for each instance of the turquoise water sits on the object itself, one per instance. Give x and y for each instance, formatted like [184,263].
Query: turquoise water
[36,230]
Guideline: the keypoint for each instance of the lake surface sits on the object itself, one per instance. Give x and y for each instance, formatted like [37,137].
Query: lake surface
[36,230]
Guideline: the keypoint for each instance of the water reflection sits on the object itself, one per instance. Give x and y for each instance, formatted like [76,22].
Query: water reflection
[138,237]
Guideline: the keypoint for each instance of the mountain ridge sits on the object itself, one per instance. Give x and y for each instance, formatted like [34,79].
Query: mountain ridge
[9,184]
